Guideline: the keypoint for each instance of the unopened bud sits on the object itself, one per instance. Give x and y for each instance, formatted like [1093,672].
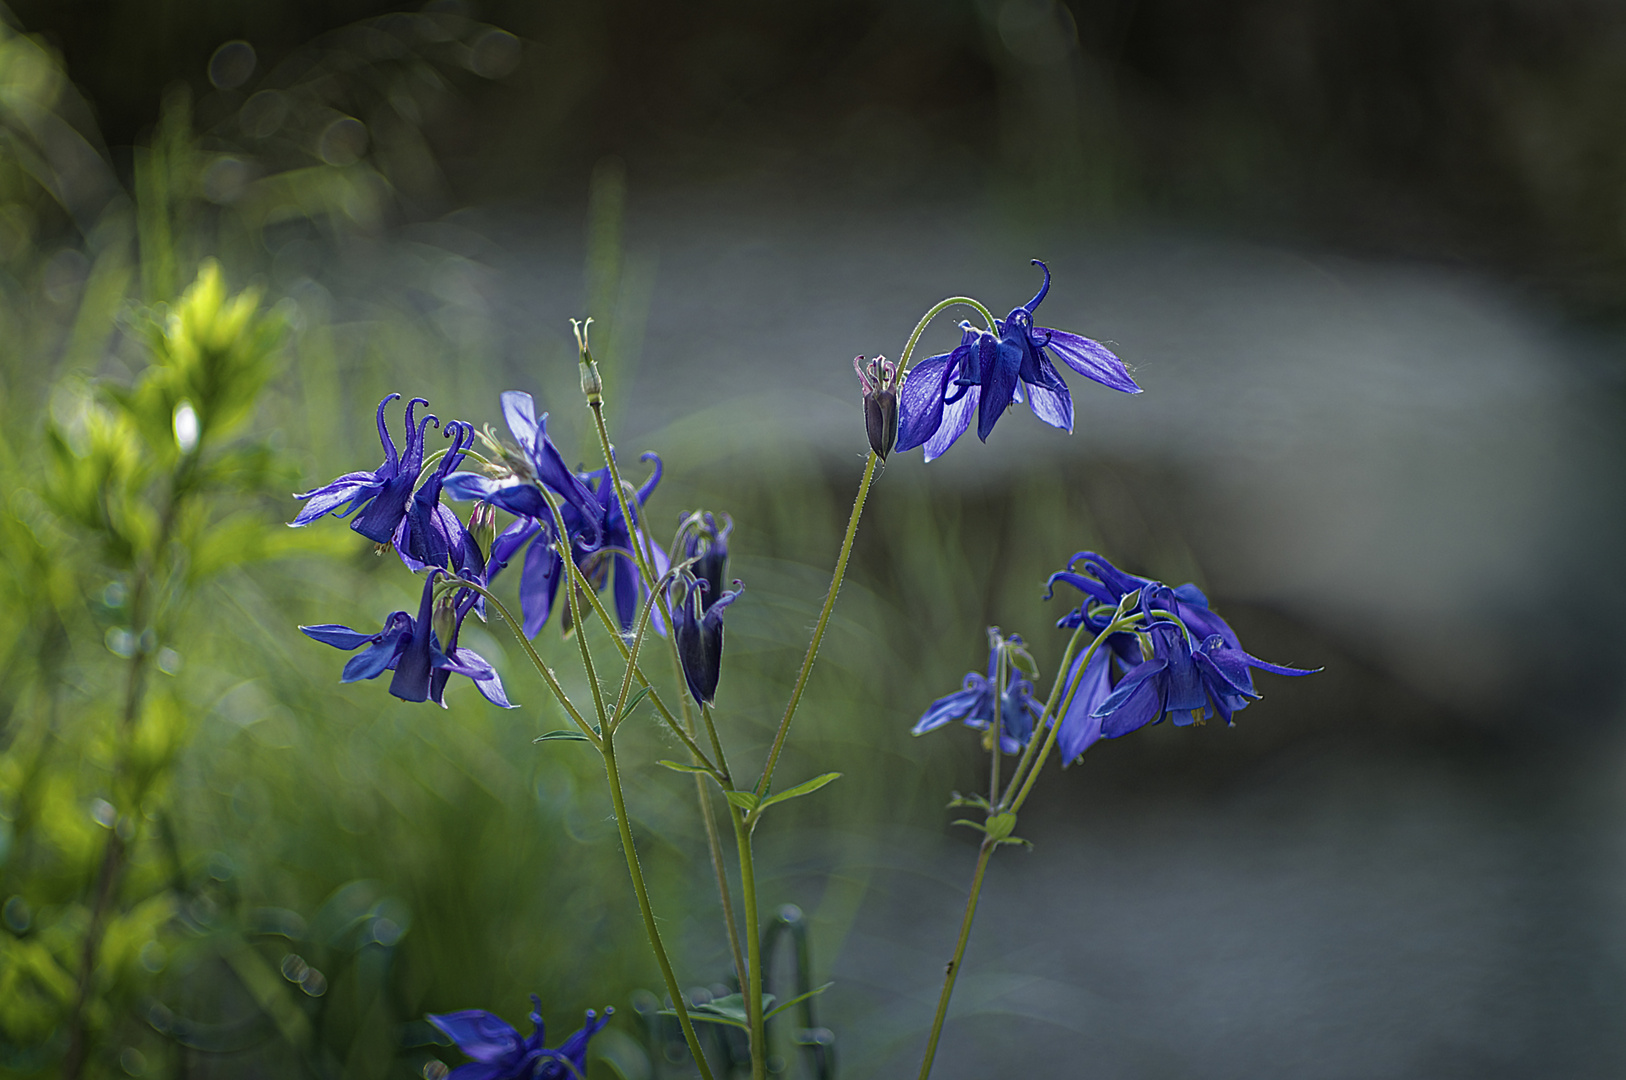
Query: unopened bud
[483,526]
[444,621]
[592,384]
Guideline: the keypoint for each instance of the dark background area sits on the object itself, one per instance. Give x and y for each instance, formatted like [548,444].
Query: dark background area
[1483,133]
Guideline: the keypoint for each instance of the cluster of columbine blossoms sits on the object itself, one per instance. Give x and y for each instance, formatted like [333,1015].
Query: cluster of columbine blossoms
[1140,650]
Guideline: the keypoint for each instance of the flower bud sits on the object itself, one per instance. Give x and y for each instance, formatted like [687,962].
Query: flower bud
[483,526]
[445,620]
[880,380]
[592,384]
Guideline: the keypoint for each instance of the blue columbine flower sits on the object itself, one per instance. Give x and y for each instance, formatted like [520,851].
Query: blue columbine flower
[988,371]
[412,648]
[500,1054]
[973,704]
[383,495]
[1188,669]
[697,624]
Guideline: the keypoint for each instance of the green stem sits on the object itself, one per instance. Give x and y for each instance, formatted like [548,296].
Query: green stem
[953,970]
[666,716]
[752,991]
[720,770]
[932,313]
[644,908]
[646,570]
[847,547]
[1049,714]
[824,619]
[715,844]
[1120,623]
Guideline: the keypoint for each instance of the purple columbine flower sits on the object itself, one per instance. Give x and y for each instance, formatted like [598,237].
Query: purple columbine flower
[412,648]
[382,496]
[608,563]
[1187,670]
[500,1054]
[988,371]
[973,704]
[430,534]
[697,623]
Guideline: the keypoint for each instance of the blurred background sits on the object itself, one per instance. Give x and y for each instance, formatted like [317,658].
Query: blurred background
[1367,260]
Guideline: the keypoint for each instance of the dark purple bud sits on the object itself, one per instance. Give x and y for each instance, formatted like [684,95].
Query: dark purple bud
[699,638]
[880,379]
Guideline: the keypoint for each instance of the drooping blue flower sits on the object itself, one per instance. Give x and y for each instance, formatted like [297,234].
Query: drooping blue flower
[1188,667]
[500,1054]
[382,496]
[697,626]
[973,704]
[412,649]
[988,371]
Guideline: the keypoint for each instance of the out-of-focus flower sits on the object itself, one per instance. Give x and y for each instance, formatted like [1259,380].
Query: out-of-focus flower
[413,650]
[697,623]
[500,1054]
[383,495]
[988,371]
[973,704]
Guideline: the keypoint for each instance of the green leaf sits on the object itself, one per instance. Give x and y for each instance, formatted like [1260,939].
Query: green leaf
[979,826]
[564,735]
[777,1009]
[728,1010]
[678,766]
[632,702]
[799,790]
[957,800]
[745,800]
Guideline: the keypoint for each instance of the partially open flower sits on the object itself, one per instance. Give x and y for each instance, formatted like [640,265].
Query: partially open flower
[880,379]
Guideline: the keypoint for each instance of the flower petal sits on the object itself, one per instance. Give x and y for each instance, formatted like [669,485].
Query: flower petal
[956,419]
[998,383]
[539,584]
[946,710]
[1090,359]
[920,402]
[1080,727]
[520,412]
[349,488]
[479,1034]
[340,637]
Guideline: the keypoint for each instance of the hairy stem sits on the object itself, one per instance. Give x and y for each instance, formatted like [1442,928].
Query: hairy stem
[953,971]
[613,774]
